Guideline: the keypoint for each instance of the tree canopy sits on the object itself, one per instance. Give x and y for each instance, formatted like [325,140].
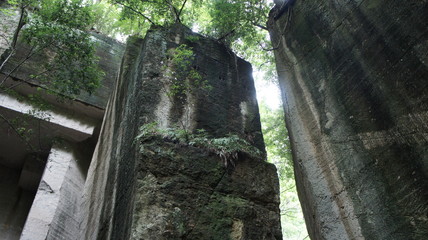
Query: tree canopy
[240,24]
[58,29]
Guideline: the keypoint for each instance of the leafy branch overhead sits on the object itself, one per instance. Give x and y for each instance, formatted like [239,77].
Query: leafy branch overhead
[240,24]
[157,12]
[57,29]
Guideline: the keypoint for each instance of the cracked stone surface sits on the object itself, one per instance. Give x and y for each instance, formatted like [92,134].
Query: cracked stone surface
[353,76]
[171,190]
[183,192]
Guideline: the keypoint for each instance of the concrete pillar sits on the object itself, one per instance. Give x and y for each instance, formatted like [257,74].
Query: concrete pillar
[54,210]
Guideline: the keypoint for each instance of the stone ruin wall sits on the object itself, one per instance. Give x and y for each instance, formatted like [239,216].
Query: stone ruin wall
[180,192]
[353,76]
[174,191]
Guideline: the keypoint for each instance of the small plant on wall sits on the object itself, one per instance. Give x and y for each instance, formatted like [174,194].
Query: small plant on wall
[227,148]
[182,82]
[183,77]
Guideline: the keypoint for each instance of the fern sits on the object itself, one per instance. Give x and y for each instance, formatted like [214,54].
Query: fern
[227,148]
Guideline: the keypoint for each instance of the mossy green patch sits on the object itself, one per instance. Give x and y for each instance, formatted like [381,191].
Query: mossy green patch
[218,215]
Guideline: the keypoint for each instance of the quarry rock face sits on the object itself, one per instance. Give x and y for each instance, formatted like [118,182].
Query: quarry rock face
[354,77]
[151,188]
[164,189]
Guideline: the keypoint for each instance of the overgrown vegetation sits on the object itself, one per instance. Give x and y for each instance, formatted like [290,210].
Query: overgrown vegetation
[55,29]
[227,148]
[183,78]
[240,24]
[182,81]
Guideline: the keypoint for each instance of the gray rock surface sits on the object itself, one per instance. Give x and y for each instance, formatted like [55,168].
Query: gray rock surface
[35,207]
[172,190]
[9,22]
[354,77]
[54,211]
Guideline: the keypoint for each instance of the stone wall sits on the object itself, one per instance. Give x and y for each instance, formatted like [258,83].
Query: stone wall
[170,191]
[48,210]
[7,29]
[173,190]
[353,76]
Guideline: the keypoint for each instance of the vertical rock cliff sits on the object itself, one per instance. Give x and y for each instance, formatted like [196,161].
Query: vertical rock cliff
[173,190]
[354,78]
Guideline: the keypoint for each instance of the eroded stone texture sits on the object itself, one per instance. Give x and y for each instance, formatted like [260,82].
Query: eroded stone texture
[353,75]
[171,190]
[186,193]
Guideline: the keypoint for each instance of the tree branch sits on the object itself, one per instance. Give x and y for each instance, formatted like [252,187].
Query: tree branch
[135,11]
[7,59]
[181,9]
[12,45]
[174,11]
[29,55]
[282,33]
[21,23]
[267,49]
[226,35]
[260,26]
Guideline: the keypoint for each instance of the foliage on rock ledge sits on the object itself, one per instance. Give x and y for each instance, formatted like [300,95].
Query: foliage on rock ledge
[227,148]
[57,28]
[183,76]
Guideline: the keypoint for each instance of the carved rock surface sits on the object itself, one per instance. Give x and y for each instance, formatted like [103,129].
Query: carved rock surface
[354,78]
[171,190]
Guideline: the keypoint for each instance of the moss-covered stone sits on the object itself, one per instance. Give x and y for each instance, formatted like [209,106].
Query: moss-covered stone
[171,190]
[200,197]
